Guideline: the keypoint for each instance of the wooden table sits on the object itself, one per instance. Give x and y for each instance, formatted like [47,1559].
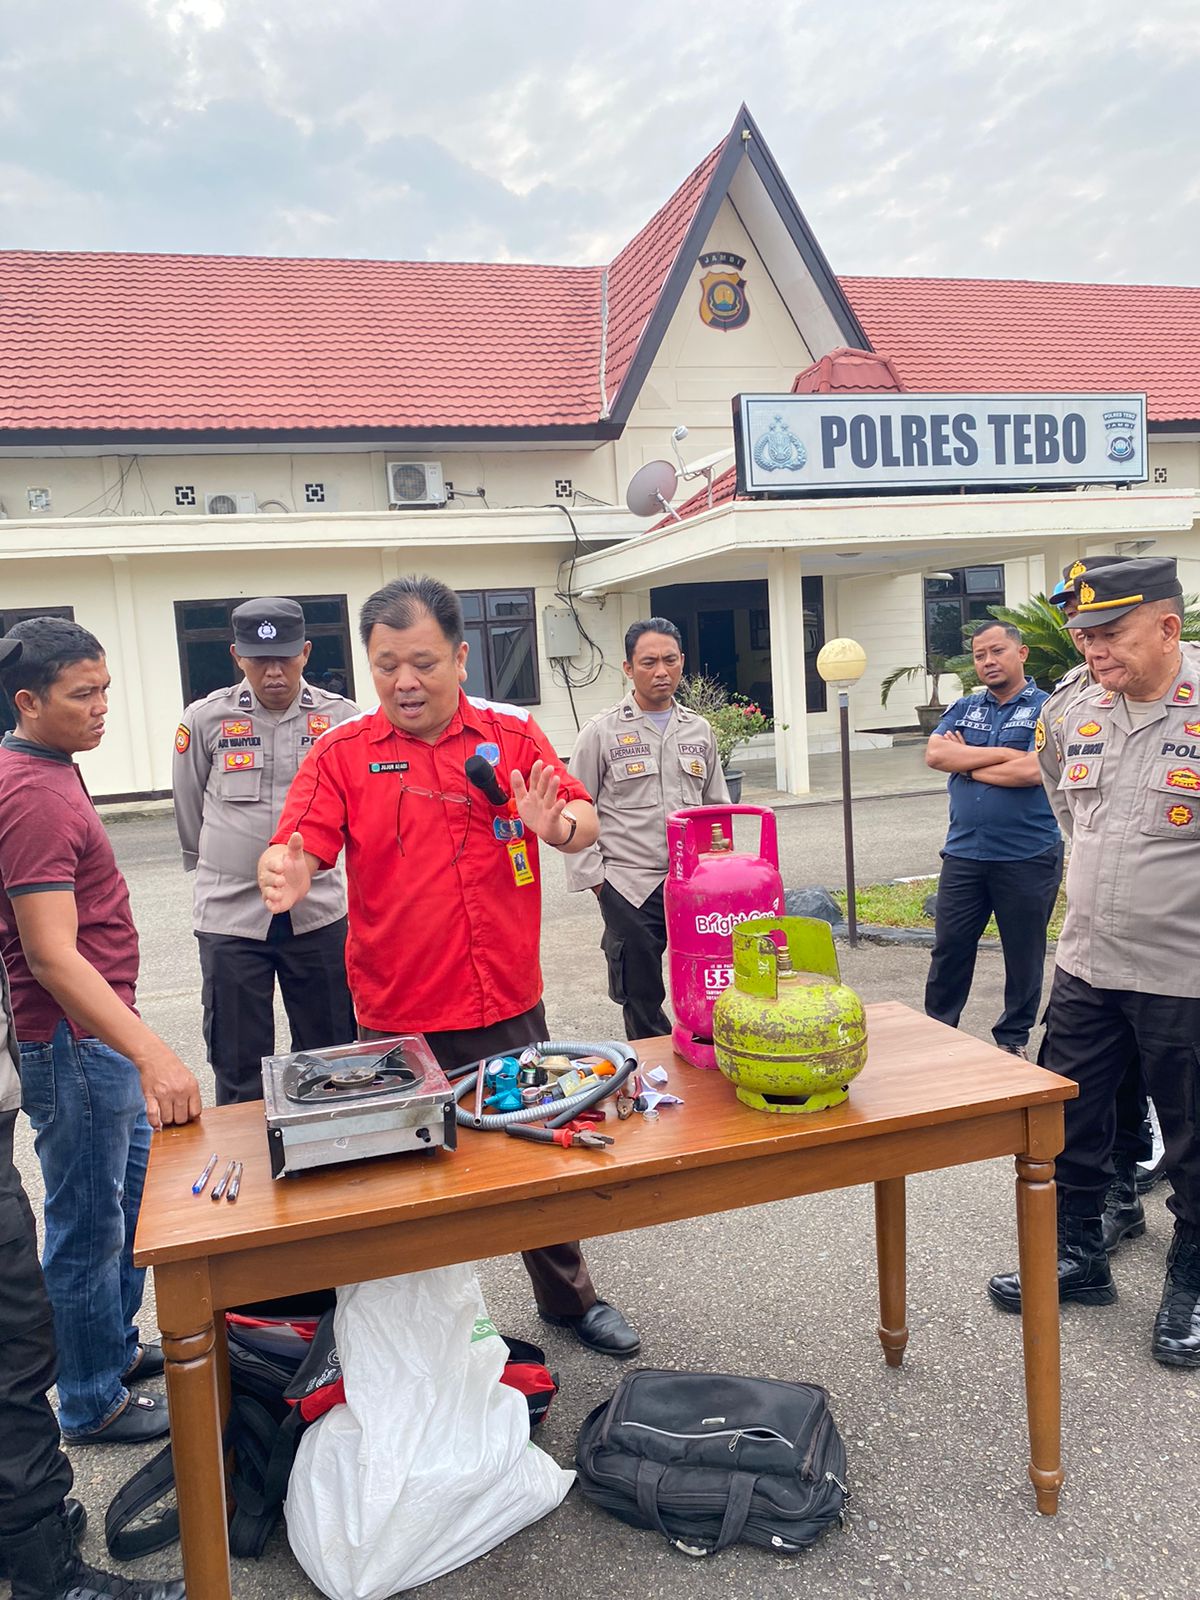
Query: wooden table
[929,1097]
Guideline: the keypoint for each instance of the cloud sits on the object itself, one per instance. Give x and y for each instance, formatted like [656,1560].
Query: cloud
[999,138]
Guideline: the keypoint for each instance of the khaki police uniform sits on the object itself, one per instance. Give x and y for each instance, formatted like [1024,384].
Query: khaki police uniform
[637,777]
[234,762]
[1126,790]
[1133,1140]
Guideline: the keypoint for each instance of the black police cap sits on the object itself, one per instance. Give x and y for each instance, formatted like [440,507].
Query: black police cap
[268,627]
[1108,593]
[1065,590]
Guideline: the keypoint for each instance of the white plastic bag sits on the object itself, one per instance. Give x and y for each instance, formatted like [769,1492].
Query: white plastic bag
[429,1463]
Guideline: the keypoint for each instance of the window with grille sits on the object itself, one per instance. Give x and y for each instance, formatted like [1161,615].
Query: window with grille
[205,633]
[955,599]
[501,629]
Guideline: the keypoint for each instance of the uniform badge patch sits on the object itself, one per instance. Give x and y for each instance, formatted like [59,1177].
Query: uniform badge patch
[1193,728]
[633,768]
[696,768]
[1108,698]
[489,752]
[1039,736]
[237,727]
[628,738]
[1078,772]
[506,828]
[1184,778]
[1179,816]
[1184,695]
[183,738]
[627,748]
[1087,729]
[317,724]
[238,760]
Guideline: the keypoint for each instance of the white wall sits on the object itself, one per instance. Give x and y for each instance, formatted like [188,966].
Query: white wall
[129,603]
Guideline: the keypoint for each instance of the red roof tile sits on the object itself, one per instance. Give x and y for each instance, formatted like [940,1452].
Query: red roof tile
[978,333]
[637,275]
[196,342]
[848,371]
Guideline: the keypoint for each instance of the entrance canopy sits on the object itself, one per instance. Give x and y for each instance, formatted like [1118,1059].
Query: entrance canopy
[838,539]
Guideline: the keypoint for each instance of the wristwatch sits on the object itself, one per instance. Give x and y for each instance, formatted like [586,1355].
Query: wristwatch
[562,844]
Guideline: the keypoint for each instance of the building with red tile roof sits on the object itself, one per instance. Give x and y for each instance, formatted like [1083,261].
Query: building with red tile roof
[180,432]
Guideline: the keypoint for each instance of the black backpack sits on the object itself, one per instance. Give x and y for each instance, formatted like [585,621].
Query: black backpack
[708,1460]
[263,1431]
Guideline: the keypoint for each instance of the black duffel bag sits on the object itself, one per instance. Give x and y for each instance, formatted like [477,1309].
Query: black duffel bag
[709,1460]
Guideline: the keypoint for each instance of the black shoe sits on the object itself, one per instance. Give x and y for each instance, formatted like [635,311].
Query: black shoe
[76,1517]
[44,1564]
[1176,1340]
[1123,1216]
[148,1363]
[602,1328]
[142,1419]
[1083,1271]
[1148,1176]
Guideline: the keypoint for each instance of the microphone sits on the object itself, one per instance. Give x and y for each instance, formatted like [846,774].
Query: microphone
[483,775]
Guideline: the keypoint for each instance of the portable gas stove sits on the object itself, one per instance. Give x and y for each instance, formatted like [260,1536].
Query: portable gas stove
[355,1100]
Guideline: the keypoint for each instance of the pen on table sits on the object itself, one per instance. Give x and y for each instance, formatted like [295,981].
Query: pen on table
[202,1180]
[219,1188]
[235,1187]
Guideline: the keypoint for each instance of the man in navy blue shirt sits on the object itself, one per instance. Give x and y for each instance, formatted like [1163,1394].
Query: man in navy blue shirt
[1003,852]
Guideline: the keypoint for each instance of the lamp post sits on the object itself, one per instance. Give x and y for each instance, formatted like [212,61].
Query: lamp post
[842,662]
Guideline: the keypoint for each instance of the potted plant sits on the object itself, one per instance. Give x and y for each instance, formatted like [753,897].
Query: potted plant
[732,717]
[933,669]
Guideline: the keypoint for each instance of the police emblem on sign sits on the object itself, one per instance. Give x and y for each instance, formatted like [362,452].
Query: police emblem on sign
[723,302]
[778,449]
[1121,428]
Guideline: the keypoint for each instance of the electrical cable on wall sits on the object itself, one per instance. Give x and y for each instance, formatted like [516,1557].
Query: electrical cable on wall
[560,670]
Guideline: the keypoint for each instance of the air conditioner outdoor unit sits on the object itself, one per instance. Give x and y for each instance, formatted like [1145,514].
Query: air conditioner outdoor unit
[415,484]
[238,504]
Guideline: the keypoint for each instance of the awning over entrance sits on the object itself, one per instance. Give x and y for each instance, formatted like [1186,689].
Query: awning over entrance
[787,541]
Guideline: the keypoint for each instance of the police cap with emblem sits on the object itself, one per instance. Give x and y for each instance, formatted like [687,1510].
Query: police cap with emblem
[1108,593]
[270,627]
[1065,590]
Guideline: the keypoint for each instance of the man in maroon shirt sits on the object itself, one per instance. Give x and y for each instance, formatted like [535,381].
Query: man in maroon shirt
[94,1078]
[444,891]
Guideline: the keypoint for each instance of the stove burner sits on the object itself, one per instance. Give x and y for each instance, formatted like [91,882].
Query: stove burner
[356,1079]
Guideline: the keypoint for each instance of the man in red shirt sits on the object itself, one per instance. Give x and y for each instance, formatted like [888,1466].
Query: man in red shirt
[444,899]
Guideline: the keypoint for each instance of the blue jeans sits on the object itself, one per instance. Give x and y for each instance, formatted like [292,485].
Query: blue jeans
[93,1140]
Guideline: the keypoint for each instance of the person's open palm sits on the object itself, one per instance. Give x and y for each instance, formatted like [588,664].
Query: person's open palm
[538,802]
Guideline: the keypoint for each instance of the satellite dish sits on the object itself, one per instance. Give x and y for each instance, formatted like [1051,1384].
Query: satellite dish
[695,469]
[650,490]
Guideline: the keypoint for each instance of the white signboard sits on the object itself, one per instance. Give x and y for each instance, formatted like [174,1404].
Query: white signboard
[790,442]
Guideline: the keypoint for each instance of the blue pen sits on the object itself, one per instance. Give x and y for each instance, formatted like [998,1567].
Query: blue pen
[202,1180]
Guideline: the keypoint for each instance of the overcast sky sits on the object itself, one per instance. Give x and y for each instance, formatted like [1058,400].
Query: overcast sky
[994,138]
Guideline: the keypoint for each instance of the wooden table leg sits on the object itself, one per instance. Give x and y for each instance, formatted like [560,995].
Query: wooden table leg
[192,1394]
[1037,1240]
[890,1243]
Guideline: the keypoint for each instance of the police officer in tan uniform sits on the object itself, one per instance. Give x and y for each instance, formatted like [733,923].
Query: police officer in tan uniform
[1133,1147]
[641,760]
[236,753]
[1122,770]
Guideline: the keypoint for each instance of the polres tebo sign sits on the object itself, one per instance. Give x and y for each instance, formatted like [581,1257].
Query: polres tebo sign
[794,442]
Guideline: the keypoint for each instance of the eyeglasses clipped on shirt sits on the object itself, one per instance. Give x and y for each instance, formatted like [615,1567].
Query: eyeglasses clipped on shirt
[452,800]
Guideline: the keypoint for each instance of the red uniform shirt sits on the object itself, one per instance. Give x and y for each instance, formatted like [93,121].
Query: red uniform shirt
[442,935]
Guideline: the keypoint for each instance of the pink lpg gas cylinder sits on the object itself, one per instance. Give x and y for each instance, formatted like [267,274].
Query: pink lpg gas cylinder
[710,888]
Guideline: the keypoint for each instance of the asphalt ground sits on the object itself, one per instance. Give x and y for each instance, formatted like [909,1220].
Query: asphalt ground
[937,1450]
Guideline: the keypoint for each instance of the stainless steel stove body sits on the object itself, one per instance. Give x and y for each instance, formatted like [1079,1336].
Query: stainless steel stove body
[355,1100]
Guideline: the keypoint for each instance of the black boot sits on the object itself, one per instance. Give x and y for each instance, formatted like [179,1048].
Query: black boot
[76,1517]
[1123,1216]
[43,1564]
[1176,1340]
[1083,1270]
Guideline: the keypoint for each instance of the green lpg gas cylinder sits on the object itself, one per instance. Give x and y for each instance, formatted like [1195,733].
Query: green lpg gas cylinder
[788,1034]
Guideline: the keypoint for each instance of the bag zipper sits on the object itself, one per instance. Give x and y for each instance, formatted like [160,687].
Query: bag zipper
[818,1438]
[732,1434]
